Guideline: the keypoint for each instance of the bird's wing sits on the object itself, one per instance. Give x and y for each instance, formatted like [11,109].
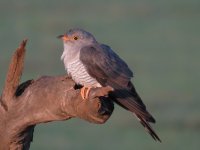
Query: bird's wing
[108,68]
[102,63]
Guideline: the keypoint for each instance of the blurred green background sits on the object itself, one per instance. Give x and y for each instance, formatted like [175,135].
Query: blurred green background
[159,39]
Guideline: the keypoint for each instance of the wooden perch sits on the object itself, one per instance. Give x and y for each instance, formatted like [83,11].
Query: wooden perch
[43,100]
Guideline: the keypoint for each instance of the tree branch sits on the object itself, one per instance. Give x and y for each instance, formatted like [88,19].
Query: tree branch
[13,75]
[43,100]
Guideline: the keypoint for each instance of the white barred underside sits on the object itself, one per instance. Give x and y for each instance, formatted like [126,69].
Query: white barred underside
[79,74]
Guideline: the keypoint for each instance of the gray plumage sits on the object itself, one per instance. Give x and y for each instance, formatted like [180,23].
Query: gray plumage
[93,64]
[71,58]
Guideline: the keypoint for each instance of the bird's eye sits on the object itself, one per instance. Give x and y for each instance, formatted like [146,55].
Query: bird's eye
[75,38]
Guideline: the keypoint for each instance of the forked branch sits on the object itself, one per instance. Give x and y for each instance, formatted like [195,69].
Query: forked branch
[43,100]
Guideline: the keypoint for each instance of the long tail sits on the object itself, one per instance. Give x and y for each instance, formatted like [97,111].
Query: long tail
[148,128]
[130,100]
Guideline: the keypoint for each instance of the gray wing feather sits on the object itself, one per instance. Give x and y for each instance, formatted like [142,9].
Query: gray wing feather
[108,68]
[105,64]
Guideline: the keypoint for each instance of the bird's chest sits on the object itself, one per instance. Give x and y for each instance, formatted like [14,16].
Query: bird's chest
[80,75]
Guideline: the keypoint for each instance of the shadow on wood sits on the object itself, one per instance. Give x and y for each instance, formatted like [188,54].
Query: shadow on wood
[43,100]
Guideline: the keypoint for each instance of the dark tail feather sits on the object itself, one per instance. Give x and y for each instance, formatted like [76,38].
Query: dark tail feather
[148,128]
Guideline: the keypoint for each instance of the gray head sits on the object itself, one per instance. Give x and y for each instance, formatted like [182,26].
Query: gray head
[77,38]
[73,41]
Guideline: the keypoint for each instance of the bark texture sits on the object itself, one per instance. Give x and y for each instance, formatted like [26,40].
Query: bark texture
[46,99]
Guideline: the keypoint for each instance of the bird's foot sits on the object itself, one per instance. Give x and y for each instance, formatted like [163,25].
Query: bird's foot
[85,92]
[89,92]
[101,91]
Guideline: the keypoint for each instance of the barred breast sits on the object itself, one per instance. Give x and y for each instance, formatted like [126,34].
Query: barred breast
[79,74]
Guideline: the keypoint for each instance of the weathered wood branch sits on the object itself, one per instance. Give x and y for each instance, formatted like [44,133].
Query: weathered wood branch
[43,100]
[13,76]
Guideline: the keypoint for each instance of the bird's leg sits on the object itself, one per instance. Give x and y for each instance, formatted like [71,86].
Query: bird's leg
[85,92]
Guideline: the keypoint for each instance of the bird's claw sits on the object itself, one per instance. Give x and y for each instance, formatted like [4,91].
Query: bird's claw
[85,92]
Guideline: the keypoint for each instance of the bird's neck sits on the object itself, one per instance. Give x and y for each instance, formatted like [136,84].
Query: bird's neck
[69,55]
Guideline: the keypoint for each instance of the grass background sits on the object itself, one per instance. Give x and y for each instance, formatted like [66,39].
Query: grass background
[159,39]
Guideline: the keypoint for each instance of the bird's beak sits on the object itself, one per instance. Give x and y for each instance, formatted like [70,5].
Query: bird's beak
[63,37]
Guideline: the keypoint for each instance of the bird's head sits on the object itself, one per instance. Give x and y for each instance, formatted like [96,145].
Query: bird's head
[77,38]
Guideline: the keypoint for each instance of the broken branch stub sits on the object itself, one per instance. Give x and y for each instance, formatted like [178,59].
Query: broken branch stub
[14,74]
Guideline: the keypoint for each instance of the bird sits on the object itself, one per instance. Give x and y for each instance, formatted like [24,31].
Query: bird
[93,64]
